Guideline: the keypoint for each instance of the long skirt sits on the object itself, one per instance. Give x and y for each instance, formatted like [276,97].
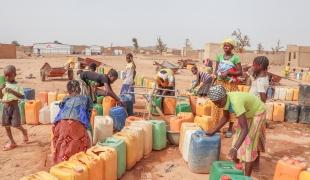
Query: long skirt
[70,137]
[216,112]
[249,148]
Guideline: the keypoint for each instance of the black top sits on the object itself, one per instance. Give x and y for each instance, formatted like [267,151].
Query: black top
[93,76]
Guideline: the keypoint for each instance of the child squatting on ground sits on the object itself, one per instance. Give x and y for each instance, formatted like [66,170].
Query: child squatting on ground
[11,93]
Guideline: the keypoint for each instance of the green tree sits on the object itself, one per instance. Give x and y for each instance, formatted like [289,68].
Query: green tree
[242,40]
[135,45]
[161,46]
[15,43]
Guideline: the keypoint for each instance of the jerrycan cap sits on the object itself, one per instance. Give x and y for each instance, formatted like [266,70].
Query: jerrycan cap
[225,177]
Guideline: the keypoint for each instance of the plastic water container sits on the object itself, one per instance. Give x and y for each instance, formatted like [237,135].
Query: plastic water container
[176,122]
[21,106]
[108,156]
[68,170]
[288,169]
[119,116]
[203,109]
[61,96]
[159,134]
[128,101]
[304,116]
[32,109]
[108,103]
[51,97]
[131,145]
[185,127]
[93,114]
[203,151]
[205,122]
[100,99]
[39,176]
[193,103]
[139,134]
[99,109]
[120,147]
[235,177]
[2,79]
[278,112]
[44,116]
[29,94]
[289,94]
[220,168]
[43,97]
[292,113]
[103,128]
[186,144]
[276,93]
[158,102]
[269,111]
[183,107]
[295,94]
[304,95]
[282,93]
[169,106]
[305,175]
[246,88]
[94,164]
[131,119]
[54,110]
[148,136]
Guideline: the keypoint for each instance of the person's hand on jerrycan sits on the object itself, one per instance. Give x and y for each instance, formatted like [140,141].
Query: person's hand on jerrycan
[211,133]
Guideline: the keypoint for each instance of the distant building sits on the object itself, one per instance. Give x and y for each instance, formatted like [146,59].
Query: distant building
[298,56]
[79,49]
[87,51]
[52,48]
[7,51]
[96,50]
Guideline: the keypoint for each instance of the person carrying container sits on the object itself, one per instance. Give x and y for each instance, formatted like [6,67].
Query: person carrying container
[166,81]
[250,112]
[203,78]
[102,80]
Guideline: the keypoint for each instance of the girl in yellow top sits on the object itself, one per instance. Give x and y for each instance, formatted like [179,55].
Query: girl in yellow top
[250,112]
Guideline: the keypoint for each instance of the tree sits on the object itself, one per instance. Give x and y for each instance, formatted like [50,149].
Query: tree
[135,45]
[242,40]
[57,42]
[161,46]
[277,48]
[260,48]
[15,43]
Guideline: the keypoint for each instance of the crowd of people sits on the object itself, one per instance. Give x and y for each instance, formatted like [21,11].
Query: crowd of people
[71,126]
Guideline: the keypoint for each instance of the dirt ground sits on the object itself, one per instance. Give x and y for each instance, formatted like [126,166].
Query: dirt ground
[286,139]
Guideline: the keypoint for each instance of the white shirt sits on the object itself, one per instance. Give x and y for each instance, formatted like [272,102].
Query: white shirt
[259,85]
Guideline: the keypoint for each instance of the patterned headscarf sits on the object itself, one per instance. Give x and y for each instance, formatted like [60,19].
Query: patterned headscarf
[229,41]
[216,93]
[73,86]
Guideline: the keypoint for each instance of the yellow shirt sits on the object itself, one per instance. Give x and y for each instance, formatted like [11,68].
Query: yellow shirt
[8,97]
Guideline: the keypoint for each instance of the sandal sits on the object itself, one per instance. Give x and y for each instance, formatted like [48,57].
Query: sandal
[9,146]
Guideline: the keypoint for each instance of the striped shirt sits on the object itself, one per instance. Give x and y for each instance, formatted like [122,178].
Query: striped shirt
[205,77]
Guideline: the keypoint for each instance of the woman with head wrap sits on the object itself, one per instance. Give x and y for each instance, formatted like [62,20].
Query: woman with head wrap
[227,69]
[250,112]
[71,124]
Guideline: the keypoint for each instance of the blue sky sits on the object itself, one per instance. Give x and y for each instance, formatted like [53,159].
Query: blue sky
[118,21]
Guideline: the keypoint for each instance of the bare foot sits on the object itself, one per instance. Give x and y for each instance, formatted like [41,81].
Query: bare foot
[9,146]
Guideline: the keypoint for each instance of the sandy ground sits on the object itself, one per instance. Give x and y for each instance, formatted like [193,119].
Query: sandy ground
[284,140]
